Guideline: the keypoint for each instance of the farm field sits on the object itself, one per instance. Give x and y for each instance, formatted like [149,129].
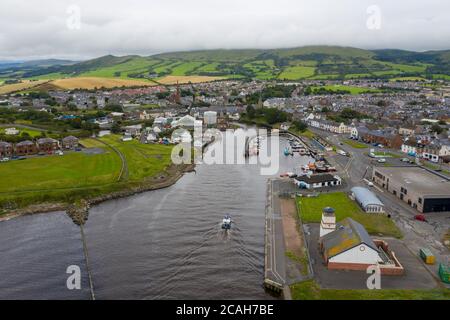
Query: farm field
[310,211]
[297,72]
[97,82]
[123,70]
[184,68]
[186,79]
[353,90]
[25,84]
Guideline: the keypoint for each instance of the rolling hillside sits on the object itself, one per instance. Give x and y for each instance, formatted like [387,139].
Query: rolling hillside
[312,62]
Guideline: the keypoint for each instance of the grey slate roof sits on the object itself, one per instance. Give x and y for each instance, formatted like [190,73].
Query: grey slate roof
[348,234]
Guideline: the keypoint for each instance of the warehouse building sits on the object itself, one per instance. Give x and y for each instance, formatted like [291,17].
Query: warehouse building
[420,188]
[368,201]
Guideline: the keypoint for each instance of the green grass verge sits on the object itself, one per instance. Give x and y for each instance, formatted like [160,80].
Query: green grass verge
[310,290]
[355,144]
[386,154]
[310,211]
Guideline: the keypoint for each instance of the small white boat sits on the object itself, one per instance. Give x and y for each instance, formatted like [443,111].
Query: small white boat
[226,222]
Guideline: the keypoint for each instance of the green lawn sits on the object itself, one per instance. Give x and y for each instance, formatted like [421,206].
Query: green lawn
[355,144]
[143,160]
[77,175]
[75,169]
[311,212]
[310,290]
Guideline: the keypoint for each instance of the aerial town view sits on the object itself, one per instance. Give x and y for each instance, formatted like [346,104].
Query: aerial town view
[252,150]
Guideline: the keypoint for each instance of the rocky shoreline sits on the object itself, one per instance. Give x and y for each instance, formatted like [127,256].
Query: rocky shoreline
[79,211]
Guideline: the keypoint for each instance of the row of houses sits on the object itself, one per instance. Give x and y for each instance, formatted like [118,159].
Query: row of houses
[330,126]
[433,151]
[42,145]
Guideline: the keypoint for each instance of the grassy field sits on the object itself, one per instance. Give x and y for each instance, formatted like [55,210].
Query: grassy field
[297,72]
[184,68]
[187,79]
[310,290]
[73,170]
[353,90]
[77,175]
[311,212]
[355,144]
[143,160]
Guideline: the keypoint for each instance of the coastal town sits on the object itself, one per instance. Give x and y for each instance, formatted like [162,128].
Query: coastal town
[374,192]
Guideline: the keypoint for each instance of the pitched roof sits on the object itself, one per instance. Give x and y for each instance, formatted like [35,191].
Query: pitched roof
[46,140]
[348,234]
[5,144]
[24,143]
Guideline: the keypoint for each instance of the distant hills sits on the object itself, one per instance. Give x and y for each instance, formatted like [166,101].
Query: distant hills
[312,62]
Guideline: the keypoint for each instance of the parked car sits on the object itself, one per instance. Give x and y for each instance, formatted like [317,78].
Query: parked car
[342,152]
[5,159]
[420,217]
[370,184]
[382,160]
[404,160]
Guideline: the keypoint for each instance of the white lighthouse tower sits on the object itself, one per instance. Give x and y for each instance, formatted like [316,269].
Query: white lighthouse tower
[328,222]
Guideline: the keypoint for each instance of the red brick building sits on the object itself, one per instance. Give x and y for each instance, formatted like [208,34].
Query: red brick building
[47,145]
[24,148]
[6,149]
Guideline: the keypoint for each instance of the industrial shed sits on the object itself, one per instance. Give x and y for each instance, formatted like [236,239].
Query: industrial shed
[368,201]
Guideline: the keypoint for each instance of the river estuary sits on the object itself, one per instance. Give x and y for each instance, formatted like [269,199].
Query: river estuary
[163,244]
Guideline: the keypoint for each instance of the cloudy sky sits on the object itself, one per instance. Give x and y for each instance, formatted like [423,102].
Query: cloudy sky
[80,29]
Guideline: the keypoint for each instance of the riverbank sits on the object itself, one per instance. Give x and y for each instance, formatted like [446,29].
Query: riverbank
[164,180]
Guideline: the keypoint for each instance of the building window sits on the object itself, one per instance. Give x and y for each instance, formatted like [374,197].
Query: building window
[420,200]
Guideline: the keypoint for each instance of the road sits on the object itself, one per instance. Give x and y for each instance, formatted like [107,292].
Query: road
[357,170]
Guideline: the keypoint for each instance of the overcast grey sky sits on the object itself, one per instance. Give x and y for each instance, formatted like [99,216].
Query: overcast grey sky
[44,28]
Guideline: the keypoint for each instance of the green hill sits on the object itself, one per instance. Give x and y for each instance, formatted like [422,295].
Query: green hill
[311,62]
